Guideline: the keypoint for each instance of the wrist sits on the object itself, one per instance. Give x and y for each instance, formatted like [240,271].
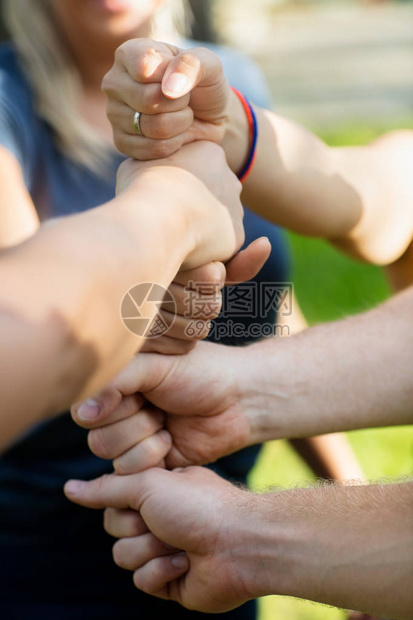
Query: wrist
[287,550]
[169,217]
[236,141]
[253,547]
[271,543]
[266,391]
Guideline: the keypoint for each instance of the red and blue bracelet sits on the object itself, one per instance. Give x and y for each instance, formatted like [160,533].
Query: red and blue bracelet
[253,128]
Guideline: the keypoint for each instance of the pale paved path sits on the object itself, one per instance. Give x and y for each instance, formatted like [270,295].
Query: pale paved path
[330,64]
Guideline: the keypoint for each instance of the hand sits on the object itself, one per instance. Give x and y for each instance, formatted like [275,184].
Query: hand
[198,291]
[191,290]
[182,95]
[191,539]
[204,423]
[196,182]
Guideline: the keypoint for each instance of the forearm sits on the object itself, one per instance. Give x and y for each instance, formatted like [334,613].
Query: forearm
[350,547]
[62,333]
[335,377]
[360,198]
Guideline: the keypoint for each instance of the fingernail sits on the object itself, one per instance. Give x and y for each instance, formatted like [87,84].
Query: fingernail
[74,487]
[165,436]
[175,83]
[89,410]
[180,561]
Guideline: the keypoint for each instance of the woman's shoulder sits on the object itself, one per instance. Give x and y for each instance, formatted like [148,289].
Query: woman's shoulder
[14,87]
[9,63]
[21,130]
[8,58]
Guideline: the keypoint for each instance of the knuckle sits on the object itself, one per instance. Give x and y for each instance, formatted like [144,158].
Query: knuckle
[97,441]
[189,346]
[147,582]
[153,98]
[120,141]
[190,59]
[216,308]
[147,56]
[107,520]
[154,448]
[163,148]
[121,468]
[113,112]
[128,50]
[118,554]
[108,82]
[185,346]
[129,145]
[120,52]
[139,67]
[102,482]
[153,423]
[162,127]
[206,330]
[139,581]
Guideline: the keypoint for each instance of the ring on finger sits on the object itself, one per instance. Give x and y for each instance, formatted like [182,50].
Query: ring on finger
[137,123]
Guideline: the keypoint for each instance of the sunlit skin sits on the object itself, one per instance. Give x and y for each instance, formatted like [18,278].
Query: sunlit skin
[94,30]
[92,54]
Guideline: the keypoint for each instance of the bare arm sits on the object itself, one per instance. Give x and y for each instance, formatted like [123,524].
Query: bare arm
[345,375]
[359,198]
[351,547]
[335,377]
[61,331]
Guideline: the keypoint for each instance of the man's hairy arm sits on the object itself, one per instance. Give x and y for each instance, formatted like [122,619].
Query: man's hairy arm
[341,546]
[351,547]
[349,374]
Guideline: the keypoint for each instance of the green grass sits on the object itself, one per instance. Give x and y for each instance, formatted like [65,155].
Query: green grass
[329,286]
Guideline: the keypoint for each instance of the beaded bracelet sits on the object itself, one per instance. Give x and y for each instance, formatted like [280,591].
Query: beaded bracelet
[253,127]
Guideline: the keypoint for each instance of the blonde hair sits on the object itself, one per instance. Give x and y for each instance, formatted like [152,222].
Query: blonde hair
[54,78]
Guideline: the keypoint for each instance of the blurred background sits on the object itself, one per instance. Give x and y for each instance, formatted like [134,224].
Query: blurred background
[344,69]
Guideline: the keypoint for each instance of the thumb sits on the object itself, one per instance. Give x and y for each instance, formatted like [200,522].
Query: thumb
[143,374]
[197,66]
[247,263]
